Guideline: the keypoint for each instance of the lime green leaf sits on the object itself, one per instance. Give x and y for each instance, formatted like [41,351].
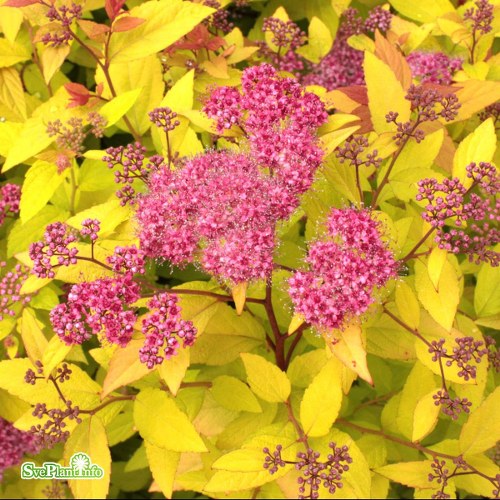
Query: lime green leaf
[424,11]
[266,379]
[233,394]
[42,180]
[385,93]
[165,22]
[90,437]
[412,474]
[435,264]
[239,293]
[305,367]
[12,407]
[160,421]
[481,431]
[478,146]
[34,340]
[124,367]
[117,107]
[487,292]
[55,352]
[475,484]
[407,304]
[320,405]
[441,303]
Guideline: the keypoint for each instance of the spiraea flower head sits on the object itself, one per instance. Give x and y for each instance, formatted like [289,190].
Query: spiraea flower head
[10,196]
[11,283]
[165,330]
[433,67]
[344,270]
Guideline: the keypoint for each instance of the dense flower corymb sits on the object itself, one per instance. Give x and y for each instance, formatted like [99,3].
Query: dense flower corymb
[10,195]
[344,270]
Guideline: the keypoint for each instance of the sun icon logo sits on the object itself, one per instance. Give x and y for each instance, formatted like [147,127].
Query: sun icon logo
[80,462]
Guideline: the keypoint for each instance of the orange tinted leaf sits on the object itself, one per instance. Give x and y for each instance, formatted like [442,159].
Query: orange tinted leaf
[127,23]
[389,53]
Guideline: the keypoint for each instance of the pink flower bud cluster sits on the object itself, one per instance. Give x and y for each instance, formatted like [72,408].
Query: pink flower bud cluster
[343,65]
[54,250]
[127,260]
[64,15]
[90,228]
[218,210]
[433,67]
[164,118]
[164,330]
[131,160]
[219,19]
[474,217]
[481,17]
[14,445]
[352,150]
[280,121]
[345,268]
[10,195]
[98,307]
[10,288]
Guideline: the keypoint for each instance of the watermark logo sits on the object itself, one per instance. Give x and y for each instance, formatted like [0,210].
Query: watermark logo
[80,467]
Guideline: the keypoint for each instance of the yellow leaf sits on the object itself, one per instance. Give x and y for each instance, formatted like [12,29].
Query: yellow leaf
[55,352]
[348,346]
[361,42]
[435,264]
[385,93]
[173,370]
[425,416]
[474,96]
[319,41]
[424,11]
[117,107]
[266,379]
[33,338]
[295,323]
[412,474]
[90,437]
[239,293]
[481,431]
[478,146]
[487,292]
[41,182]
[52,59]
[12,53]
[320,405]
[163,465]
[334,139]
[233,394]
[10,22]
[124,367]
[407,304]
[440,302]
[12,93]
[165,22]
[160,422]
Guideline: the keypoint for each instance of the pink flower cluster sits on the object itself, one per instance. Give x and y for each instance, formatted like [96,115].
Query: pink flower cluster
[14,445]
[63,15]
[10,195]
[10,287]
[475,217]
[97,308]
[433,67]
[218,203]
[164,330]
[127,261]
[480,17]
[345,268]
[343,65]
[54,250]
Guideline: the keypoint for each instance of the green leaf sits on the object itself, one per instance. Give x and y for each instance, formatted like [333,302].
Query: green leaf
[320,405]
[407,304]
[481,431]
[478,146]
[440,302]
[90,437]
[412,474]
[160,421]
[163,464]
[165,22]
[233,394]
[487,292]
[117,107]
[266,379]
[41,182]
[385,94]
